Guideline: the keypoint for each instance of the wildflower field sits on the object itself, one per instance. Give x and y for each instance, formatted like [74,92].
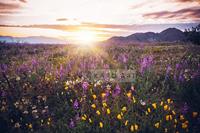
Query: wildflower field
[58,88]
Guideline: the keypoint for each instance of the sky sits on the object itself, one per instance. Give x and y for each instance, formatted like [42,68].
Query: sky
[76,20]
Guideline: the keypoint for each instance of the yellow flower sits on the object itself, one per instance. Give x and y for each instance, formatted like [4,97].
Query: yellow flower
[126,123]
[93,106]
[30,126]
[124,109]
[136,127]
[103,95]
[170,117]
[169,100]
[167,117]
[98,112]
[174,126]
[184,125]
[173,112]
[161,103]
[94,96]
[134,101]
[121,114]
[48,123]
[132,128]
[194,114]
[17,78]
[182,117]
[90,121]
[108,111]
[66,87]
[119,117]
[175,121]
[100,124]
[146,113]
[129,94]
[165,107]
[157,125]
[104,105]
[186,122]
[154,105]
[83,118]
[149,110]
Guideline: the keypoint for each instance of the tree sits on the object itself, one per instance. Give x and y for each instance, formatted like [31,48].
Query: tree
[193,34]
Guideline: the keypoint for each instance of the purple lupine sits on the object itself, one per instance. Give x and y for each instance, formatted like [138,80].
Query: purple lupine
[177,66]
[3,93]
[23,68]
[106,66]
[145,63]
[117,90]
[34,62]
[185,108]
[61,71]
[71,124]
[167,72]
[85,86]
[77,117]
[124,58]
[3,68]
[76,104]
[181,78]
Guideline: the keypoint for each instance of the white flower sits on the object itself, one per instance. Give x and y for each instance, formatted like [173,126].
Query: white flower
[143,103]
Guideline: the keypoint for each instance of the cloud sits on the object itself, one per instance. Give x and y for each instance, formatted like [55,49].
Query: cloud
[62,19]
[187,0]
[23,1]
[9,6]
[107,28]
[182,14]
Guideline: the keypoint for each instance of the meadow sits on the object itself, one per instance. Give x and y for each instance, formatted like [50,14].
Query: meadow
[66,88]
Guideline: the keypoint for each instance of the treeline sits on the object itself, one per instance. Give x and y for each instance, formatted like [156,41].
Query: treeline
[193,34]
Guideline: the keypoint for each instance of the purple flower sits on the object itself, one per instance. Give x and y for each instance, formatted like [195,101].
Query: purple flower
[185,108]
[145,63]
[77,117]
[71,124]
[34,62]
[117,90]
[3,67]
[181,78]
[3,93]
[61,71]
[177,66]
[76,105]
[85,86]
[167,72]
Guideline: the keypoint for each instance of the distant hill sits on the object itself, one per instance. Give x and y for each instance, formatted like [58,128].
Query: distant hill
[32,40]
[168,35]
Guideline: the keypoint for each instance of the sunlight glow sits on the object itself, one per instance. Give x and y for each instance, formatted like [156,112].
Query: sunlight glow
[86,37]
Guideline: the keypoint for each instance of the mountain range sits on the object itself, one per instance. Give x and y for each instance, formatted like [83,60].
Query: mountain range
[32,40]
[168,35]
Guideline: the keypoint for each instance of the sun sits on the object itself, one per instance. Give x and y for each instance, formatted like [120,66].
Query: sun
[86,37]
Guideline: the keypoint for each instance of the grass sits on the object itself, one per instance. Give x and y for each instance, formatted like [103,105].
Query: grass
[50,88]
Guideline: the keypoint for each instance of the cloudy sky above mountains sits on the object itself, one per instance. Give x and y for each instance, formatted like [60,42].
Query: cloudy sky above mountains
[105,18]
